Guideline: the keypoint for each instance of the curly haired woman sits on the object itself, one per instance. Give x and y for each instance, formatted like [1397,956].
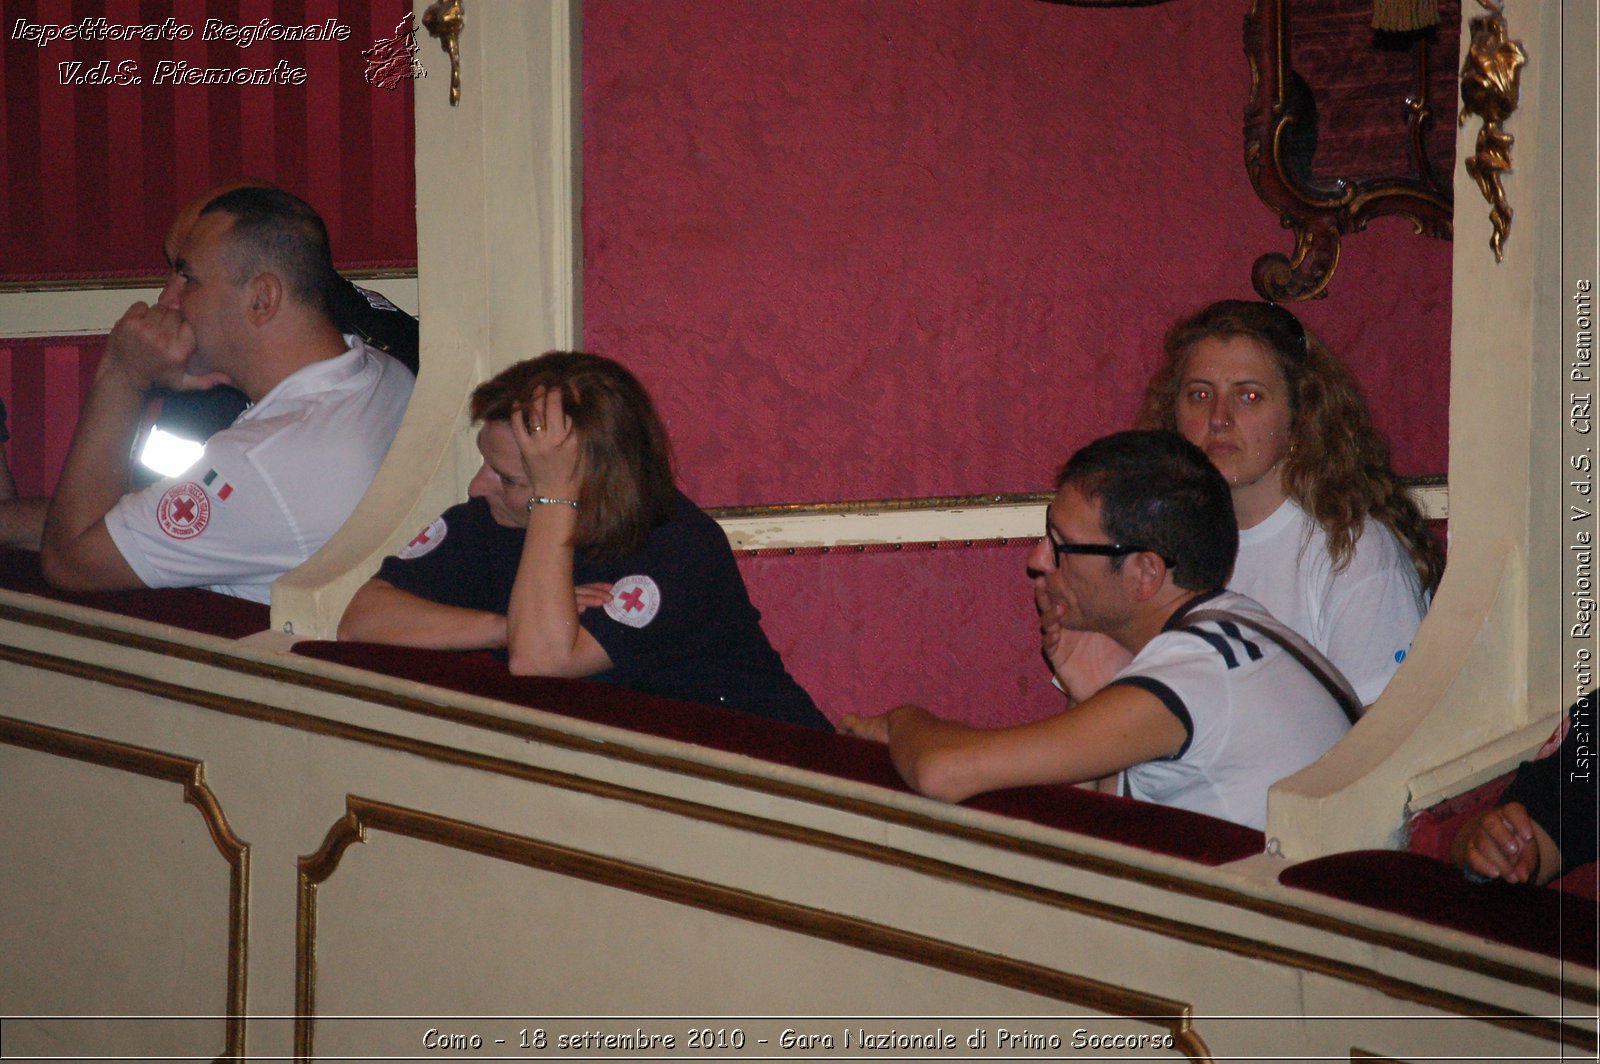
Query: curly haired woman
[1329,541]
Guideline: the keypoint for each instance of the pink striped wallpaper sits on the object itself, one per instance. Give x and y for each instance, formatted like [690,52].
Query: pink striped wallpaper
[94,173]
[42,383]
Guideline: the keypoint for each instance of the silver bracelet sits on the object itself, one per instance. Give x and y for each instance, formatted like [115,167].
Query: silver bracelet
[544,500]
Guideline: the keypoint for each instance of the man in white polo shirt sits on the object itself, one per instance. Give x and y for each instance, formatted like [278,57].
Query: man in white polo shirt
[247,305]
[1219,702]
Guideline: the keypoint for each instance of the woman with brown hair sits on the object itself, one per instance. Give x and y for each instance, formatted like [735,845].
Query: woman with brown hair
[578,556]
[1329,540]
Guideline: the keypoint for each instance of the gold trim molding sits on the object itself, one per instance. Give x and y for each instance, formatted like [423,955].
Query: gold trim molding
[156,280]
[986,500]
[1424,948]
[363,815]
[191,776]
[1418,945]
[930,502]
[1490,86]
[936,521]
[87,309]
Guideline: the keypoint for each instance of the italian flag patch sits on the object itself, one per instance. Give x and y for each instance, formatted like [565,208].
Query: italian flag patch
[221,488]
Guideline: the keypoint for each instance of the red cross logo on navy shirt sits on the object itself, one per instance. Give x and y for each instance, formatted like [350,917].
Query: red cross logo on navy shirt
[426,540]
[635,600]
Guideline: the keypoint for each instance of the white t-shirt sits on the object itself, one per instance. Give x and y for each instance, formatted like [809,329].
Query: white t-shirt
[272,487]
[1253,713]
[1362,618]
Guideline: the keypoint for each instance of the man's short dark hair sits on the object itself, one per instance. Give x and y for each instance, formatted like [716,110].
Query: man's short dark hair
[277,231]
[1160,492]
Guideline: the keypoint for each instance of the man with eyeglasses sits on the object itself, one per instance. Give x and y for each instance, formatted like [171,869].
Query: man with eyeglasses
[1219,702]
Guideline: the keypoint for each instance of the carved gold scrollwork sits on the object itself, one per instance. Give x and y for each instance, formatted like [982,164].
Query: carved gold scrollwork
[444,21]
[1490,79]
[1281,127]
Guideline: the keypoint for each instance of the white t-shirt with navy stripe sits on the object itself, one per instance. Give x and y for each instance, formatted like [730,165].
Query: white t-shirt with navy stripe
[1253,713]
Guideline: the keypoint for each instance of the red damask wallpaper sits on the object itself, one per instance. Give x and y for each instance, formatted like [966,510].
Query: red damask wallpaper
[924,247]
[952,629]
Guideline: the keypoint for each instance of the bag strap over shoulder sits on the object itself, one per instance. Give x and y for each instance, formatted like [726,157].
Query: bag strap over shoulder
[1303,652]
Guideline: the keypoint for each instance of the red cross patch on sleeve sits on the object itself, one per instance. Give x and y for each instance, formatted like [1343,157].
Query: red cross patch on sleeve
[426,540]
[184,511]
[635,601]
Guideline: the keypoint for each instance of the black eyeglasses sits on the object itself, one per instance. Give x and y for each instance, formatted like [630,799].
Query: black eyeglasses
[1105,550]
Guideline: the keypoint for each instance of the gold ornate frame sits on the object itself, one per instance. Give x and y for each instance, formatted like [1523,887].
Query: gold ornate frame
[1320,214]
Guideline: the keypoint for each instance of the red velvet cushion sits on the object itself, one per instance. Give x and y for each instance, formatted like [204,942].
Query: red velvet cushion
[191,608]
[1152,827]
[1531,918]
[1432,831]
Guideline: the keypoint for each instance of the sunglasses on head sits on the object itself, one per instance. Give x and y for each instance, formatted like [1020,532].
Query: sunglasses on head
[1291,324]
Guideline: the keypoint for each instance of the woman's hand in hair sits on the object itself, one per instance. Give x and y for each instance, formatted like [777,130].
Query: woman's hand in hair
[543,635]
[548,444]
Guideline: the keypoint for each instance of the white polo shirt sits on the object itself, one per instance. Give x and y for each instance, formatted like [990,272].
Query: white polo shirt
[271,488]
[1253,713]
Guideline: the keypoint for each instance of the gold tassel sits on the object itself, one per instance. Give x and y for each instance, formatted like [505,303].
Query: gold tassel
[1404,16]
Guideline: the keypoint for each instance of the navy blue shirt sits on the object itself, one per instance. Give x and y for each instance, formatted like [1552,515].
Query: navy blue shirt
[680,622]
[1559,791]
